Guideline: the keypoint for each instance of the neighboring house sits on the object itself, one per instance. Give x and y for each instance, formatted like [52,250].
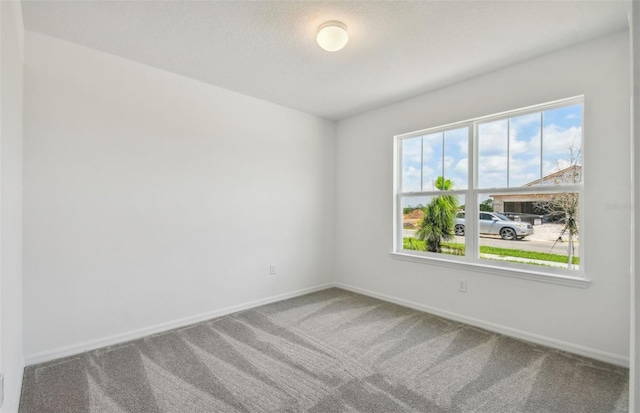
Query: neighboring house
[524,205]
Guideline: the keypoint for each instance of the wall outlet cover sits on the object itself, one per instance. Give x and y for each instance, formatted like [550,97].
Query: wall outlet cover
[462,286]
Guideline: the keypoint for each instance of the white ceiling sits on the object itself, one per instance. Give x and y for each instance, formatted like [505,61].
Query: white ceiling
[267,49]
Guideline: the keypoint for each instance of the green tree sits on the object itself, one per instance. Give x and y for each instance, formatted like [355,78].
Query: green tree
[487,205]
[439,218]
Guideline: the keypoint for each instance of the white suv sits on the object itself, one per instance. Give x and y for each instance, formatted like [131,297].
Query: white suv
[497,224]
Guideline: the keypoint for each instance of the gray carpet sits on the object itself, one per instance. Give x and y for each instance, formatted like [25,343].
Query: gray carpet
[330,351]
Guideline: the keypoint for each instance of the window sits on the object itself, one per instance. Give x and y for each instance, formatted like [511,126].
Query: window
[521,172]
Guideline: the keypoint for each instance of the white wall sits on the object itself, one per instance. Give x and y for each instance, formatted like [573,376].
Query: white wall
[11,356]
[150,198]
[594,320]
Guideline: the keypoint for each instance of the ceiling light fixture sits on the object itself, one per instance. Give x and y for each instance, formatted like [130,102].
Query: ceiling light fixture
[332,35]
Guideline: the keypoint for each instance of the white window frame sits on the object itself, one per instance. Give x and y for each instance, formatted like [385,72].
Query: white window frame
[471,259]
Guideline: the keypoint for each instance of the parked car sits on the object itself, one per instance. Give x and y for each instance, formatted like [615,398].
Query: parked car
[494,223]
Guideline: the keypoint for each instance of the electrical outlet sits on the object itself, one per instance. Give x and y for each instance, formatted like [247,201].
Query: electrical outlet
[272,269]
[462,286]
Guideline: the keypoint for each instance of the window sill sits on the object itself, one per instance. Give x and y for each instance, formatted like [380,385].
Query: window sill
[498,270]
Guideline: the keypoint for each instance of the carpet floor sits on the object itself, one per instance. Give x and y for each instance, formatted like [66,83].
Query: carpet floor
[330,351]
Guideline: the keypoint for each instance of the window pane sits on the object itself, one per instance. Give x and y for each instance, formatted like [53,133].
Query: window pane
[492,154]
[432,160]
[524,149]
[456,148]
[411,164]
[531,229]
[562,145]
[431,223]
[425,159]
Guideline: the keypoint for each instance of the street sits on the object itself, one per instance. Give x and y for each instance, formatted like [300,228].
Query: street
[527,244]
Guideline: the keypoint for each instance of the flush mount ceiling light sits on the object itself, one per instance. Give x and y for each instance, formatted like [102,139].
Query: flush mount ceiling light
[332,35]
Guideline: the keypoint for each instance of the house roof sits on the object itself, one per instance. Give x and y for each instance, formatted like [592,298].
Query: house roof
[562,175]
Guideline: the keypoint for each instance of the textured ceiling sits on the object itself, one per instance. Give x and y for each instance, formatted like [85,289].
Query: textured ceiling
[267,49]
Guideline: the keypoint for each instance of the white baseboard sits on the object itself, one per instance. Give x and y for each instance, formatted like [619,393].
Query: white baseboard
[159,328]
[507,331]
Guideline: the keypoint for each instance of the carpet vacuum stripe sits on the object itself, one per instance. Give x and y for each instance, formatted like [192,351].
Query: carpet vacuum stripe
[328,351]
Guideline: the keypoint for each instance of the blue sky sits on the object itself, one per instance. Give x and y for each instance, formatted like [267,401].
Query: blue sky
[509,151]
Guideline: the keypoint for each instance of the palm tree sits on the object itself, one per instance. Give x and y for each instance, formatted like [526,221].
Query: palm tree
[439,218]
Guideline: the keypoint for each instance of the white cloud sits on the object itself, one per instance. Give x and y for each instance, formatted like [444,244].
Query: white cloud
[492,171]
[519,137]
[492,137]
[557,142]
[462,166]
[411,151]
[410,179]
[448,161]
[525,120]
[495,163]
